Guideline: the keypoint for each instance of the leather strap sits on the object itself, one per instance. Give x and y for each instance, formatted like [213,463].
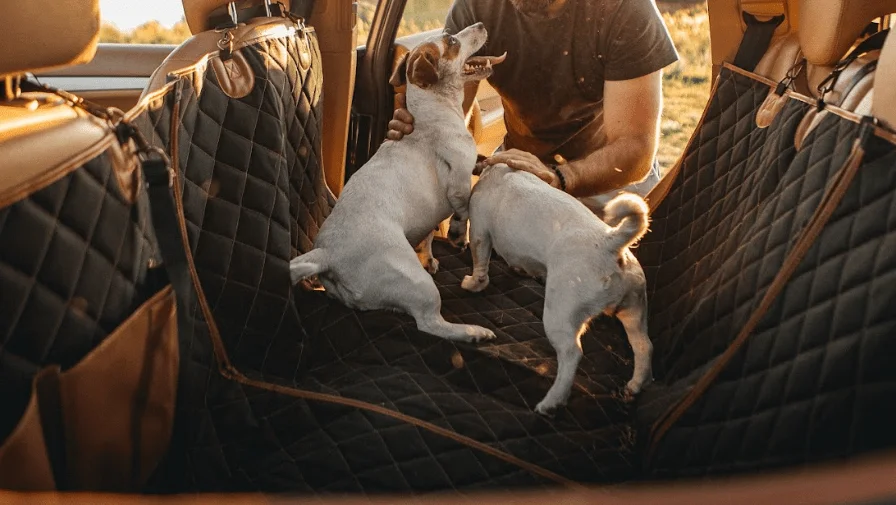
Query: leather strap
[872,43]
[757,38]
[301,8]
[863,72]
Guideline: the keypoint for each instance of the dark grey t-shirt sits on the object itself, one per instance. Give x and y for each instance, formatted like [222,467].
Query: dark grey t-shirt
[552,82]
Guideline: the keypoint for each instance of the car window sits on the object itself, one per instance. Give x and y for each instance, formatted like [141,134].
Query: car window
[139,22]
[419,16]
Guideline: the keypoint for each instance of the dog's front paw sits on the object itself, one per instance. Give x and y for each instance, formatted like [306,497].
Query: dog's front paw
[547,407]
[634,387]
[474,284]
[478,333]
[431,265]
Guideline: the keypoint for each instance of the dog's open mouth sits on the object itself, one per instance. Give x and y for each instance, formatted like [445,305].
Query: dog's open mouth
[481,66]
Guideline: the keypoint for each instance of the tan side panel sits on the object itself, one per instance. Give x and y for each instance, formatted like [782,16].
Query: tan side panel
[336,24]
[884,107]
[40,145]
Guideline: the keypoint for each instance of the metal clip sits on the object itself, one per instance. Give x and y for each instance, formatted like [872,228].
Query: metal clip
[231,10]
[267,8]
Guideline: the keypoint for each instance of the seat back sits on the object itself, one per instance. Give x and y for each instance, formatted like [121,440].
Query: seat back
[88,342]
[238,110]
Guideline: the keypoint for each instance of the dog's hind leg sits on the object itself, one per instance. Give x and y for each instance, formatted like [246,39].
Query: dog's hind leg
[481,249]
[565,316]
[424,254]
[634,318]
[414,291]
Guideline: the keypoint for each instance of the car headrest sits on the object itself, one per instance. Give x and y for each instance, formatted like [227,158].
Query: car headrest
[198,12]
[832,26]
[884,105]
[39,35]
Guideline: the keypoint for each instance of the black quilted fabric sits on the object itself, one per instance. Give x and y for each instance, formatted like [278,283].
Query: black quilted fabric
[710,255]
[73,266]
[237,436]
[241,437]
[253,191]
[815,380]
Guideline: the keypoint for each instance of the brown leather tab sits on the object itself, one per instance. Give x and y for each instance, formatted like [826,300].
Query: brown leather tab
[770,109]
[234,75]
[118,402]
[24,462]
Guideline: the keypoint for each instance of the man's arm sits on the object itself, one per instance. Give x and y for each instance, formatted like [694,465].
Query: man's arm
[632,111]
[631,121]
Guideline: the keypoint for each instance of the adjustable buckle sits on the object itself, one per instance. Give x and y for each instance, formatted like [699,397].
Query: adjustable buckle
[157,171]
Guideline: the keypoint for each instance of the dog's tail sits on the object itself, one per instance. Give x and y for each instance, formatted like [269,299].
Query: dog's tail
[311,263]
[628,214]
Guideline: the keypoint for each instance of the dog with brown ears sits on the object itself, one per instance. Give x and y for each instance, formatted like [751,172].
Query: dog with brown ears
[363,254]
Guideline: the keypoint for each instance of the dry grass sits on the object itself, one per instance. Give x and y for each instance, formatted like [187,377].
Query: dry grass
[686,84]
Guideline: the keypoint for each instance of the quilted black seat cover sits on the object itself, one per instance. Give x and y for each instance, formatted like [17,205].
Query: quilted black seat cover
[74,257]
[432,415]
[815,380]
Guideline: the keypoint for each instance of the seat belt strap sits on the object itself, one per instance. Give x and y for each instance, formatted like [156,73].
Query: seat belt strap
[757,38]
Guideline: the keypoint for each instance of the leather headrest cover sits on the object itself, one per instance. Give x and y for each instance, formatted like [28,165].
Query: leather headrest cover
[43,34]
[830,27]
[197,12]
[884,105]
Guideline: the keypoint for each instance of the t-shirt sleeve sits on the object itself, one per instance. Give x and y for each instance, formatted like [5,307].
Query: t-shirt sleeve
[459,17]
[637,42]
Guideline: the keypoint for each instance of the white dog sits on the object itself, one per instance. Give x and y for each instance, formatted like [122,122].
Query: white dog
[586,264]
[363,254]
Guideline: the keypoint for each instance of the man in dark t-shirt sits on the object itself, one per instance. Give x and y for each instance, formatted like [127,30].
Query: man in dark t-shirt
[581,89]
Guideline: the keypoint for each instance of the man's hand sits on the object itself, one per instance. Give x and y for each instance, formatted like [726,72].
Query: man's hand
[527,162]
[402,122]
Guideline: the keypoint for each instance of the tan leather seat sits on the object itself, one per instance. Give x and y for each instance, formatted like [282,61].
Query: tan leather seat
[836,26]
[884,107]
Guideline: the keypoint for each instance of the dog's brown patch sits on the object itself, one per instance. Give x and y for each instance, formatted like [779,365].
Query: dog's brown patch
[423,64]
[451,50]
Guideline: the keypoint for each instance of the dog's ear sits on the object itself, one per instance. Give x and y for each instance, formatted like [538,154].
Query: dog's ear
[422,67]
[401,69]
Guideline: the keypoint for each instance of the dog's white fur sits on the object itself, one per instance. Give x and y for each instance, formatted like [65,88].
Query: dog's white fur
[585,262]
[363,254]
